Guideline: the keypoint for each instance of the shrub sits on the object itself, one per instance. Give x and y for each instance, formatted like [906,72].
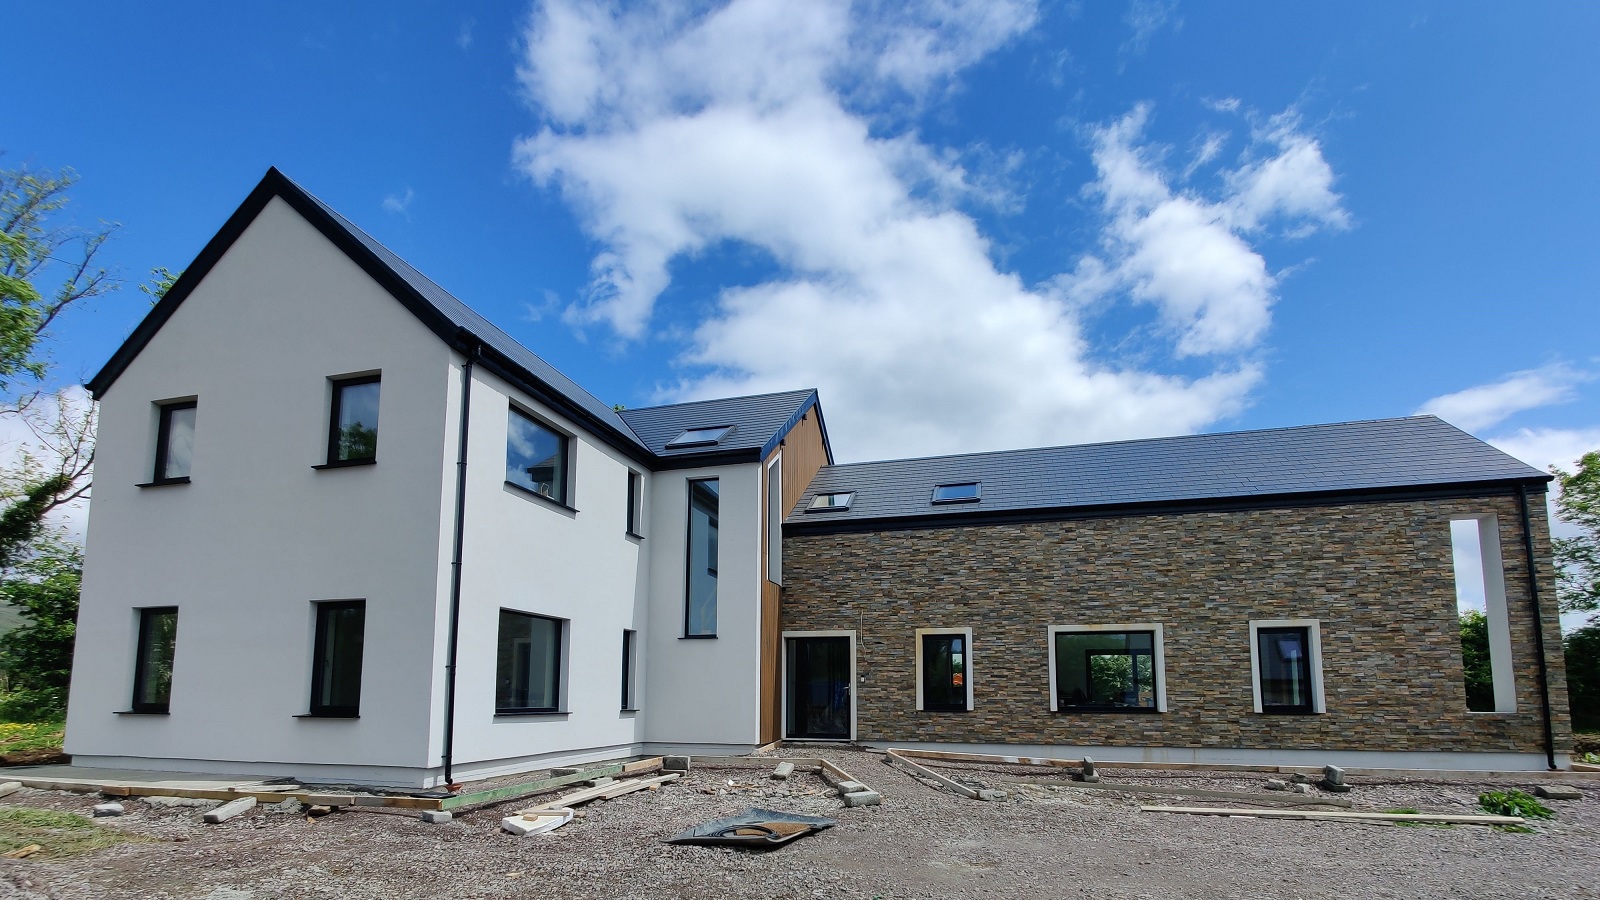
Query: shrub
[1583,680]
[1513,803]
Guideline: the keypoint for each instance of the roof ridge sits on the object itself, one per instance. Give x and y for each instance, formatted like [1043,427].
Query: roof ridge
[1148,440]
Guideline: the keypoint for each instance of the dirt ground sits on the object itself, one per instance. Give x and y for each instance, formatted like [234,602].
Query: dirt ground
[1045,842]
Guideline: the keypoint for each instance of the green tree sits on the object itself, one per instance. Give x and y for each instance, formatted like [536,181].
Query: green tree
[1583,676]
[1578,558]
[1475,661]
[161,280]
[37,655]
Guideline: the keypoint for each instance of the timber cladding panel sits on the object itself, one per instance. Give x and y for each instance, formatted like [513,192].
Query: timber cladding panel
[1378,577]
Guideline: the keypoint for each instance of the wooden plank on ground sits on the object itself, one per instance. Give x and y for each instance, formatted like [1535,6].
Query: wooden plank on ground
[1281,799]
[751,762]
[617,790]
[992,758]
[604,791]
[1585,767]
[772,746]
[640,766]
[1347,816]
[511,792]
[894,757]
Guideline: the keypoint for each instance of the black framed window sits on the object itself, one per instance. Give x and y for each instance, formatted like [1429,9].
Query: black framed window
[960,492]
[944,672]
[175,441]
[336,658]
[1283,657]
[700,590]
[528,664]
[536,456]
[635,504]
[630,659]
[353,423]
[152,665]
[1106,671]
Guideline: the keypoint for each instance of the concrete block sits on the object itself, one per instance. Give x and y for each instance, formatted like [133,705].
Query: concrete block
[436,816]
[863,798]
[994,795]
[102,810]
[674,763]
[1276,784]
[1300,788]
[1334,787]
[10,787]
[851,787]
[1557,792]
[1300,778]
[1088,774]
[230,809]
[181,802]
[783,771]
[1333,774]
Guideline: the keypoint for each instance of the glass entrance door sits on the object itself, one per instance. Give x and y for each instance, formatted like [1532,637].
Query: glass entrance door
[818,678]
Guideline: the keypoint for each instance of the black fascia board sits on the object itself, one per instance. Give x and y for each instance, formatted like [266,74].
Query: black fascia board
[1167,507]
[276,184]
[812,402]
[709,458]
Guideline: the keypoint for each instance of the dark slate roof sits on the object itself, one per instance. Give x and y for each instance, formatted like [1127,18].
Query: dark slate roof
[758,422]
[1414,452]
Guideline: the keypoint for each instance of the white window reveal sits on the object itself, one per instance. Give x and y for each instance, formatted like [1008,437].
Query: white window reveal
[775,513]
[958,492]
[944,669]
[700,437]
[1480,579]
[1286,666]
[838,500]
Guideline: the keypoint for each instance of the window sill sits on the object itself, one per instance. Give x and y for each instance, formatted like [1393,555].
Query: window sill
[328,716]
[346,463]
[1288,712]
[142,712]
[698,637]
[636,536]
[164,482]
[1108,710]
[960,711]
[536,714]
[541,498]
[628,712]
[1491,712]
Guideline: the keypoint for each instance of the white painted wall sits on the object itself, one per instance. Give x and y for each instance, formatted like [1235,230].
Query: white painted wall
[258,535]
[704,691]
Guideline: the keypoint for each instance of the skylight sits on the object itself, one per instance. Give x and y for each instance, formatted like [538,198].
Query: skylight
[699,437]
[959,492]
[831,502]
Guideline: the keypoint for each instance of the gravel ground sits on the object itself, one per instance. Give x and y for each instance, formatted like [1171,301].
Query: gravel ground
[1046,842]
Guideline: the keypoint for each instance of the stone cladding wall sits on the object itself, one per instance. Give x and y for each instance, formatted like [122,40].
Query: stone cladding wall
[1378,577]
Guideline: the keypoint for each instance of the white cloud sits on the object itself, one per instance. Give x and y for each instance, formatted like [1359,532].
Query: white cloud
[1146,17]
[767,123]
[1486,405]
[1294,183]
[464,33]
[399,203]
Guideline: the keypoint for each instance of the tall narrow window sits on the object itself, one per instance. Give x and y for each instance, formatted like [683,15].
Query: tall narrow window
[353,423]
[1284,660]
[528,664]
[175,442]
[775,513]
[1485,620]
[635,504]
[152,666]
[700,607]
[945,675]
[629,661]
[536,457]
[1106,670]
[336,658]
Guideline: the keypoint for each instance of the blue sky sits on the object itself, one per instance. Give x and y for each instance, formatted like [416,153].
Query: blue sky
[995,225]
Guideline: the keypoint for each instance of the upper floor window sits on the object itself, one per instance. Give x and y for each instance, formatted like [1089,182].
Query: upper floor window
[536,456]
[353,422]
[700,604]
[699,437]
[635,504]
[960,492]
[152,665]
[833,501]
[175,441]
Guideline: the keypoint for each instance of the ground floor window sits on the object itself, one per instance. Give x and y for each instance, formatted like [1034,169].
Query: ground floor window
[1286,664]
[528,664]
[152,666]
[336,665]
[630,659]
[944,670]
[1110,668]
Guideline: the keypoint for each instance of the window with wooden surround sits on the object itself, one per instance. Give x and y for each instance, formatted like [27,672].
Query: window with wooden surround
[528,664]
[1107,668]
[536,457]
[944,670]
[153,656]
[353,421]
[174,441]
[336,658]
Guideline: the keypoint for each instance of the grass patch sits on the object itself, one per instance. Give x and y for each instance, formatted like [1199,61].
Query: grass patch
[1412,811]
[17,736]
[59,833]
[1514,803]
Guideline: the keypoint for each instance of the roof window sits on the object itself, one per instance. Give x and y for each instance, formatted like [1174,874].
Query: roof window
[831,502]
[959,492]
[699,437]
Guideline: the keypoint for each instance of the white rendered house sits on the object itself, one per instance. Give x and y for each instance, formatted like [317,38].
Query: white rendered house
[347,530]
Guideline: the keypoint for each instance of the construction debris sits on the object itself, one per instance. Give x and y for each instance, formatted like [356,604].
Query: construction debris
[437,816]
[609,791]
[1277,784]
[102,810]
[524,824]
[1088,773]
[675,763]
[1333,780]
[863,798]
[753,829]
[22,852]
[10,787]
[1345,816]
[228,810]
[1557,792]
[783,771]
